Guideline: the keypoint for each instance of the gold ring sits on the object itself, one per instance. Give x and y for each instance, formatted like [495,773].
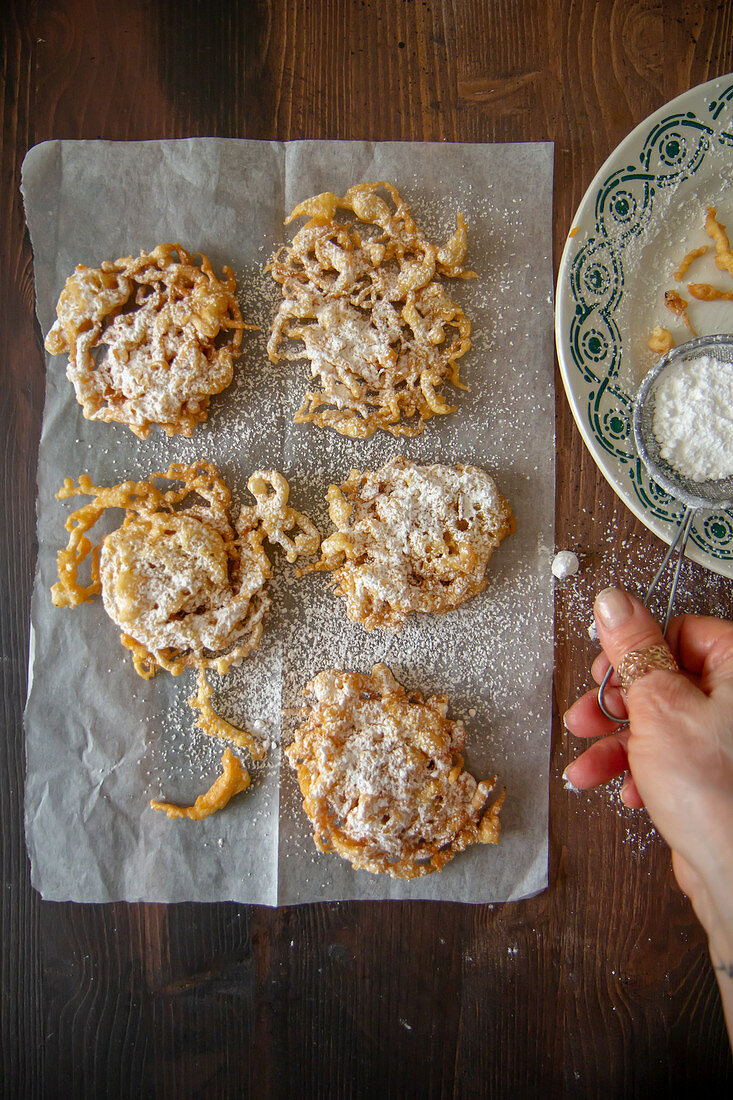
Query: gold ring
[638,662]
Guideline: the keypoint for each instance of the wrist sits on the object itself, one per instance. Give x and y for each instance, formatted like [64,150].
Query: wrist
[709,886]
[712,857]
[720,936]
[712,900]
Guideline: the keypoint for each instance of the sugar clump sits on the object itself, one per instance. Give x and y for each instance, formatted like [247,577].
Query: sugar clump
[565,564]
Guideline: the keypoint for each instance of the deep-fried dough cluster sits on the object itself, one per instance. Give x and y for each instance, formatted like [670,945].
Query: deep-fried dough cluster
[184,584]
[170,329]
[382,776]
[362,299]
[412,538]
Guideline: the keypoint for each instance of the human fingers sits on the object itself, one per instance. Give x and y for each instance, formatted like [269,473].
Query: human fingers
[625,626]
[586,719]
[691,637]
[630,793]
[680,745]
[705,648]
[673,634]
[603,761]
[600,667]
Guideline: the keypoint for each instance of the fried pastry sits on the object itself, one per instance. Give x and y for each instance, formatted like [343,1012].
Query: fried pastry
[661,340]
[411,539]
[233,779]
[170,330]
[363,303]
[382,776]
[185,584]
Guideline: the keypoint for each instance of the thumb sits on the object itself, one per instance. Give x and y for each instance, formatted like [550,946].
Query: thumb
[626,630]
[624,624]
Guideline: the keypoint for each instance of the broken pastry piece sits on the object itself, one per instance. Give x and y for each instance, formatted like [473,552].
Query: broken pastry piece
[364,303]
[704,292]
[382,776]
[184,581]
[411,538]
[677,305]
[149,338]
[716,232]
[233,779]
[687,260]
[661,339]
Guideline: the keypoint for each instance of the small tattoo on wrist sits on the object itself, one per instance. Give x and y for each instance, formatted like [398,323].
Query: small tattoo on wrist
[725,968]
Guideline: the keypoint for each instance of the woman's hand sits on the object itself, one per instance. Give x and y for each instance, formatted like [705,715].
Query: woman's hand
[677,751]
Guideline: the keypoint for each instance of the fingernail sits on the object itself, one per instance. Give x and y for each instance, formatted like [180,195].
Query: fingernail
[565,725]
[622,796]
[569,785]
[613,607]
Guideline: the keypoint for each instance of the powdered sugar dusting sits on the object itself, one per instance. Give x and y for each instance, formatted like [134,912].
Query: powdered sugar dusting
[382,773]
[693,417]
[492,656]
[412,539]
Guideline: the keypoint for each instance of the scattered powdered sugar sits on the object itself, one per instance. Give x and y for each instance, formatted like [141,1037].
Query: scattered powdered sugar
[615,551]
[492,656]
[693,417]
[412,538]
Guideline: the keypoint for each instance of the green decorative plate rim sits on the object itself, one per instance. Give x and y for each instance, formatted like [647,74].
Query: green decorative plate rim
[672,145]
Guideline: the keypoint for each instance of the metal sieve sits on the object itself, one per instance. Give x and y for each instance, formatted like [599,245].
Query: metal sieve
[694,495]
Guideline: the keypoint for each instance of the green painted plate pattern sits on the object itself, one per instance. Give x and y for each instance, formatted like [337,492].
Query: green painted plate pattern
[672,146]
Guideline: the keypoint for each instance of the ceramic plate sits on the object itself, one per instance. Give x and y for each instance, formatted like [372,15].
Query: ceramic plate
[642,213]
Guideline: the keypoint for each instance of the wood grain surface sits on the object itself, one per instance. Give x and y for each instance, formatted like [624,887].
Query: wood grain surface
[601,986]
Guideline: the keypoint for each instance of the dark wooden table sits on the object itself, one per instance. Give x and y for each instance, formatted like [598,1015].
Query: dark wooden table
[599,987]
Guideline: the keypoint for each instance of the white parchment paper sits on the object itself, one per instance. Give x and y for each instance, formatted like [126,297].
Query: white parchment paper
[100,741]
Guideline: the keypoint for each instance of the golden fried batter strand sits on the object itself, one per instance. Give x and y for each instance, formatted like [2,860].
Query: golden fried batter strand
[276,516]
[704,292]
[684,264]
[233,779]
[362,298]
[676,304]
[170,329]
[210,722]
[382,777]
[411,538]
[716,231]
[661,340]
[184,582]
